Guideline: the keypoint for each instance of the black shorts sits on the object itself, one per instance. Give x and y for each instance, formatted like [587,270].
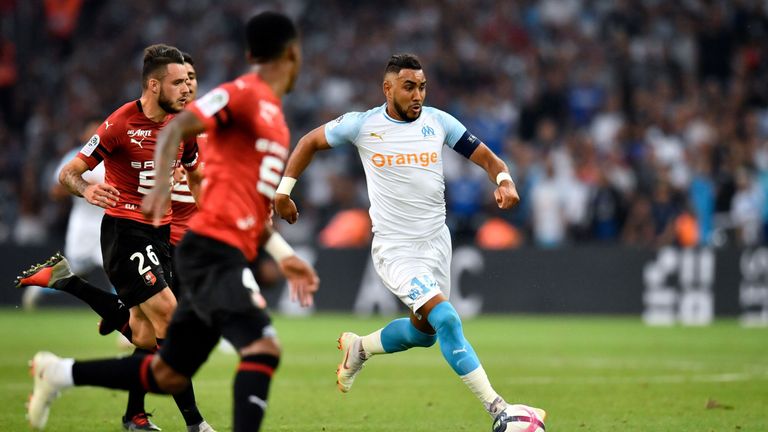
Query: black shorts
[216,288]
[173,281]
[136,258]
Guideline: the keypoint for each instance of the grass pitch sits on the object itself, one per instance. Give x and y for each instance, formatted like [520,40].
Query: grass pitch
[590,373]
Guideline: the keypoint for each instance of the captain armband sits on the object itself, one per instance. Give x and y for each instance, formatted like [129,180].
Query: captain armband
[278,248]
[286,186]
[466,145]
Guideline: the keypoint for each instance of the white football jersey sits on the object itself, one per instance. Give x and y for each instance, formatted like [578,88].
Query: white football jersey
[403,166]
[82,246]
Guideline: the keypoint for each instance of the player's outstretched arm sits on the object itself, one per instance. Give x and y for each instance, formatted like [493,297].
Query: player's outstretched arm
[506,192]
[302,155]
[183,126]
[302,278]
[99,194]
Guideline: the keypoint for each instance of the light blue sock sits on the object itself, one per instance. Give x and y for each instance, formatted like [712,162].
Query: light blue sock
[455,348]
[400,334]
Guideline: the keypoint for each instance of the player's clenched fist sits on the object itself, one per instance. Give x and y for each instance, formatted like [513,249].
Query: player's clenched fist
[506,195]
[286,208]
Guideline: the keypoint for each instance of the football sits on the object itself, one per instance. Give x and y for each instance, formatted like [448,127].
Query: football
[518,418]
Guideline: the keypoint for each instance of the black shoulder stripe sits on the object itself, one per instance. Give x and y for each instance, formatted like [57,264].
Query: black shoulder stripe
[97,155]
[223,117]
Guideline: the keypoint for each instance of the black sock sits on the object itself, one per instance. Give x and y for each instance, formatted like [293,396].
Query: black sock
[126,331]
[185,401]
[106,304]
[136,396]
[127,373]
[188,407]
[251,387]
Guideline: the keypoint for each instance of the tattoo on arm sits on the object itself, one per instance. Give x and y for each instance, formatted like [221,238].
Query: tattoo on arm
[73,181]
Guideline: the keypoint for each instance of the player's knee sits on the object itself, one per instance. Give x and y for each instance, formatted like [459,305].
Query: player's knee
[425,340]
[142,335]
[164,310]
[167,379]
[160,306]
[421,339]
[266,345]
[444,317]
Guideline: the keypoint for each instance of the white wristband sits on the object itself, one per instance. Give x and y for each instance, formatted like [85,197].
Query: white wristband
[503,176]
[278,248]
[286,186]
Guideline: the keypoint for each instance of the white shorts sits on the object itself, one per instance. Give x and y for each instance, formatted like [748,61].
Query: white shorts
[83,250]
[415,270]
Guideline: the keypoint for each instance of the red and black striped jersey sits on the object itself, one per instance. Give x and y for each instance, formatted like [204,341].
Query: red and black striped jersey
[182,202]
[126,144]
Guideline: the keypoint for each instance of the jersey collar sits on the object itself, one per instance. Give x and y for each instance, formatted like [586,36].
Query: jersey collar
[386,116]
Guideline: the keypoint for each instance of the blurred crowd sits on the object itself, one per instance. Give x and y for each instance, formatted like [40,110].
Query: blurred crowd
[636,122]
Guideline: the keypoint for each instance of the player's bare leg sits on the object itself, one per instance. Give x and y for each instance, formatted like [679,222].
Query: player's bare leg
[158,309]
[143,330]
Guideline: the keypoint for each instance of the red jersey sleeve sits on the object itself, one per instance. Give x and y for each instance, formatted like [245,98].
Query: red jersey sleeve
[189,157]
[101,144]
[220,107]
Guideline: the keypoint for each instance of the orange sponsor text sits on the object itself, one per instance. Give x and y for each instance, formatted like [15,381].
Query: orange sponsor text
[424,159]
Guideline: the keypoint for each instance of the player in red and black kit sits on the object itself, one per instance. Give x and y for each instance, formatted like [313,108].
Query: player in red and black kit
[113,312]
[245,155]
[136,253]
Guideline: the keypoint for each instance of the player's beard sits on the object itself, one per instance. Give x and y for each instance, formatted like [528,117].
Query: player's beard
[167,105]
[403,112]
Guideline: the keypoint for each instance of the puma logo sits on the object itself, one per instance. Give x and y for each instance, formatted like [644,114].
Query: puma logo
[261,403]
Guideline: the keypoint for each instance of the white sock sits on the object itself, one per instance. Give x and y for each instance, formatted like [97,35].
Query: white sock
[477,381]
[372,343]
[60,373]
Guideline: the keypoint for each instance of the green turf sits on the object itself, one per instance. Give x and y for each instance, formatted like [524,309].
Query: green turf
[591,374]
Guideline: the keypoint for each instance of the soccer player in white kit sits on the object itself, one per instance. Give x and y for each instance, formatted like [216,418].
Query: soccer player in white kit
[400,145]
[81,244]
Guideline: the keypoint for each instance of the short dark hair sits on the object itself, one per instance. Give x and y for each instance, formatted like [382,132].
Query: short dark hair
[399,62]
[188,58]
[157,57]
[268,34]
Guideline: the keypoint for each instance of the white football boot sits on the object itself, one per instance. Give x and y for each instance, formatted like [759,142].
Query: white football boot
[45,390]
[352,361]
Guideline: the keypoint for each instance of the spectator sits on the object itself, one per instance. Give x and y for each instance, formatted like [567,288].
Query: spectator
[638,90]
